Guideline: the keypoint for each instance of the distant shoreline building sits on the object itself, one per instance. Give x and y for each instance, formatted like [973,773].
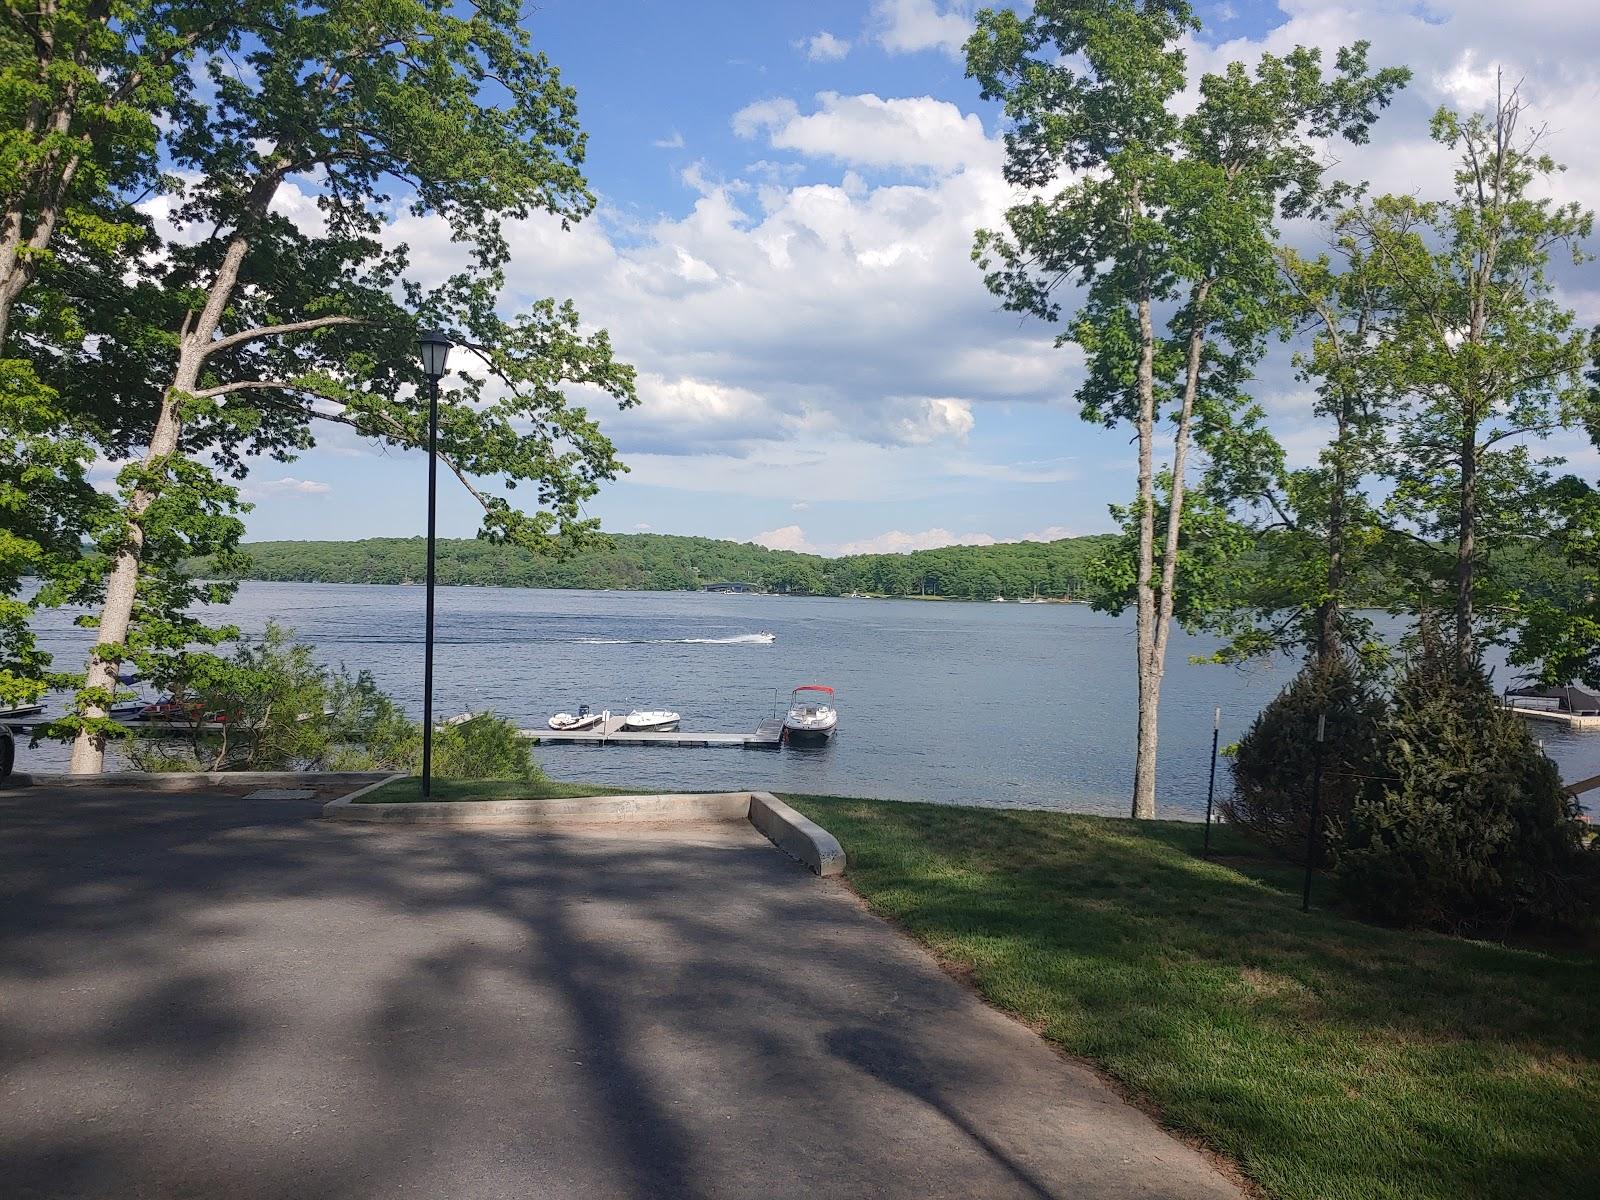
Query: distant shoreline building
[732,586]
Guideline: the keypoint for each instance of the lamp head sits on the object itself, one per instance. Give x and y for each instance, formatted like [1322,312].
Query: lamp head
[434,347]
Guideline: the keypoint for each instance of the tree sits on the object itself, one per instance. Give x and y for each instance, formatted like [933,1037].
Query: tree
[1159,211]
[1307,536]
[354,97]
[83,84]
[1480,358]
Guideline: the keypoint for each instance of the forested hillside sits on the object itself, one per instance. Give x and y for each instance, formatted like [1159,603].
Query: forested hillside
[661,562]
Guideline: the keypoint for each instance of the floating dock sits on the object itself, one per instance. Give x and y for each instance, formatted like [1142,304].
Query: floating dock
[1570,720]
[767,736]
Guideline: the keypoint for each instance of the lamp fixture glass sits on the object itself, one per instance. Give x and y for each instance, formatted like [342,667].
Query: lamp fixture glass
[435,350]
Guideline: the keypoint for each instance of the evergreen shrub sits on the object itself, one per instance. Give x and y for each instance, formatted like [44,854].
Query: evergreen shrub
[1469,828]
[1274,764]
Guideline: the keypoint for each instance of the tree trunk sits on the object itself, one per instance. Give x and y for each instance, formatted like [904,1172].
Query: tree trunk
[1155,608]
[1466,546]
[116,615]
[1144,768]
[1332,611]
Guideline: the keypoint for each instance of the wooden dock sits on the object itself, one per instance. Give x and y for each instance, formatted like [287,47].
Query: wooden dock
[767,736]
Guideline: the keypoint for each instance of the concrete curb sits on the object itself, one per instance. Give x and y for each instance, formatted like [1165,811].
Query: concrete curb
[788,830]
[796,834]
[191,781]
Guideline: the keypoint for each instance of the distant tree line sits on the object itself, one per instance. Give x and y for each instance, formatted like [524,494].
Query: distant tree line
[662,562]
[1070,568]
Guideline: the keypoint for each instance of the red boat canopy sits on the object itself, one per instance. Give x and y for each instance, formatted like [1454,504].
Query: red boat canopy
[814,687]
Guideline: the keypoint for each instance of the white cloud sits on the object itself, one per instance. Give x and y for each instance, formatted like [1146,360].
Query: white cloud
[932,418]
[895,541]
[790,537]
[825,47]
[869,130]
[673,141]
[907,26]
[811,323]
[288,485]
[644,527]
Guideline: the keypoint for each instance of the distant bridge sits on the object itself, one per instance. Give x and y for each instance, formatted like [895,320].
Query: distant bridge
[732,586]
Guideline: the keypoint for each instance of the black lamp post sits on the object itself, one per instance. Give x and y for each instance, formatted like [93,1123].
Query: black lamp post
[435,349]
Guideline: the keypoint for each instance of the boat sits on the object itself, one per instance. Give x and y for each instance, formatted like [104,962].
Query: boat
[656,720]
[583,719]
[811,716]
[21,710]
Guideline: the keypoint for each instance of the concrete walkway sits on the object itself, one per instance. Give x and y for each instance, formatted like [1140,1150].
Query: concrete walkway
[224,998]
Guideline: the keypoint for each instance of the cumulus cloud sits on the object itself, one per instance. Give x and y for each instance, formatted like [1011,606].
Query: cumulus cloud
[790,537]
[811,323]
[287,485]
[868,130]
[825,47]
[907,26]
[896,541]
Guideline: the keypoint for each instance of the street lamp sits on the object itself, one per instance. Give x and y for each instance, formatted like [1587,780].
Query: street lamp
[434,348]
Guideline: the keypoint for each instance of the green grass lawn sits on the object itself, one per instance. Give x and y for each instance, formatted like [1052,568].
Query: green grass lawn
[1329,1058]
[404,791]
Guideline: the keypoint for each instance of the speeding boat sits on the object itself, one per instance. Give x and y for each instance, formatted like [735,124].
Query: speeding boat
[657,720]
[584,719]
[811,716]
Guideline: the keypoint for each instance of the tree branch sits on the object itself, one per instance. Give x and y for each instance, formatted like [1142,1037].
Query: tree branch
[242,384]
[250,335]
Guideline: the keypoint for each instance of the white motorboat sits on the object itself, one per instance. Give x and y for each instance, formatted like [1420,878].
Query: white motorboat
[657,720]
[582,719]
[21,710]
[811,716]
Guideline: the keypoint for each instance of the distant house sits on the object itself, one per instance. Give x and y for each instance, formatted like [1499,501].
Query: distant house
[732,587]
[1580,702]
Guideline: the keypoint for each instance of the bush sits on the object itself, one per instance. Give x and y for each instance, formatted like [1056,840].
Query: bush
[1274,764]
[367,731]
[483,747]
[284,711]
[1470,828]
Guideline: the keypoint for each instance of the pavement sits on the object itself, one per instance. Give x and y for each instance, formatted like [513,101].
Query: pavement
[207,996]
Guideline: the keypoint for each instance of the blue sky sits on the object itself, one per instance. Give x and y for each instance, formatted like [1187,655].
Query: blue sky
[788,194]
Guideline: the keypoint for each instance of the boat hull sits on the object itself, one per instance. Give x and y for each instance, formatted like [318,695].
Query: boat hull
[805,733]
[807,737]
[651,722]
[575,726]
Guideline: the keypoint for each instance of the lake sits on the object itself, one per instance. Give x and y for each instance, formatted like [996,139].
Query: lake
[1006,705]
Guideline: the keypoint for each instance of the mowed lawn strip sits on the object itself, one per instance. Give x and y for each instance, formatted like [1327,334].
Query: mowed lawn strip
[409,790]
[1329,1058]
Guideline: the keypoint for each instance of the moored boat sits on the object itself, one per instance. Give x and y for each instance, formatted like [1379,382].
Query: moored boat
[582,719]
[655,720]
[811,716]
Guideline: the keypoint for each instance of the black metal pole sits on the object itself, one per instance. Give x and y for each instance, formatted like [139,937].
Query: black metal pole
[1316,813]
[427,654]
[1211,788]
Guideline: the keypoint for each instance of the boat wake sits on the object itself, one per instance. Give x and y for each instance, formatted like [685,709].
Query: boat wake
[740,639]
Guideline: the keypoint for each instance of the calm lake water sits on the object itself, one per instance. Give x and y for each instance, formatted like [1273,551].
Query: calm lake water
[988,704]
